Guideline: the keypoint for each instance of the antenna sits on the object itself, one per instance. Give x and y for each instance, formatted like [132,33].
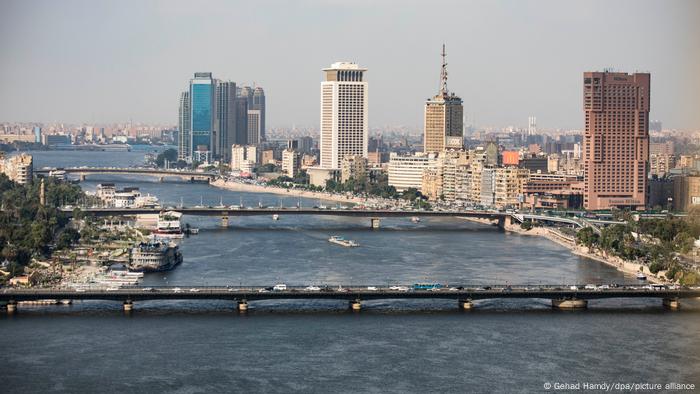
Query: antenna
[443,73]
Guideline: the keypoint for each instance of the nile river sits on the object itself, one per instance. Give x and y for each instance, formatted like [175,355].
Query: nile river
[320,346]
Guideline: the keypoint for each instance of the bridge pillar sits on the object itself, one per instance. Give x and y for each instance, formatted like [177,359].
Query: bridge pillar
[672,303]
[224,221]
[83,177]
[375,222]
[242,306]
[466,305]
[356,305]
[161,179]
[128,306]
[11,307]
[569,303]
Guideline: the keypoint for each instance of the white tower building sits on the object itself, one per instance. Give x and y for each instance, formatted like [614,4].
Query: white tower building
[344,127]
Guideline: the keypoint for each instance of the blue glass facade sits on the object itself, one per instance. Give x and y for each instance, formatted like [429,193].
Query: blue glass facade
[201,104]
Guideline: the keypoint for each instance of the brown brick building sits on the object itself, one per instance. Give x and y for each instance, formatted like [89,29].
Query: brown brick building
[616,139]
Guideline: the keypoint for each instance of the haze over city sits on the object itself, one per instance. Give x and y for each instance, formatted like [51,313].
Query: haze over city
[82,61]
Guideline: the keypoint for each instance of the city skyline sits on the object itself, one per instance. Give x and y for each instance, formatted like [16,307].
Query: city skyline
[499,78]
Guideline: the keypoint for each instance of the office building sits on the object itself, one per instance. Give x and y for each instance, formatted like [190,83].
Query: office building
[254,133]
[616,139]
[203,115]
[406,172]
[37,134]
[259,105]
[184,139]
[19,168]
[226,109]
[443,126]
[344,126]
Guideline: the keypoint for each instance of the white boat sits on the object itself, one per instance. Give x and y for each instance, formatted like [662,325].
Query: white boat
[194,230]
[415,219]
[169,225]
[275,217]
[338,240]
[641,276]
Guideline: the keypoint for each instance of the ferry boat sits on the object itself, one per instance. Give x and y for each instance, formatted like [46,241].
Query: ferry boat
[168,225]
[415,219]
[641,276]
[338,240]
[155,256]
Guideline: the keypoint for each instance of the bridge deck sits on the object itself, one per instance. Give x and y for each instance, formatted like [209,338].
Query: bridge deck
[362,293]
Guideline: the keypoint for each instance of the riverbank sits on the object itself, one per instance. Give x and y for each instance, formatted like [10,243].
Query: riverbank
[250,188]
[570,243]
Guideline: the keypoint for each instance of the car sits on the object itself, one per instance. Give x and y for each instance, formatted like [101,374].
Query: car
[399,288]
[279,287]
[371,288]
[573,288]
[194,290]
[590,287]
[312,288]
[230,289]
[265,290]
[453,289]
[177,290]
[147,289]
[112,289]
[81,290]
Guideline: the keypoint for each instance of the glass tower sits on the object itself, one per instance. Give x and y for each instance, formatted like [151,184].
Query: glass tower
[203,116]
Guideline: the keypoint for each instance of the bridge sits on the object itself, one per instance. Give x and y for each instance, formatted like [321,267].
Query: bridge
[225,212]
[83,172]
[562,297]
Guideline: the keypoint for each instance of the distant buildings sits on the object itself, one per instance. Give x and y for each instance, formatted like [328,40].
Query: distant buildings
[19,168]
[353,167]
[443,118]
[344,128]
[214,115]
[244,158]
[616,139]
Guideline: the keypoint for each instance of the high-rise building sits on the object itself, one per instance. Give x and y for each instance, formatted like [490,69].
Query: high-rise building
[242,119]
[406,172]
[344,128]
[226,110]
[531,125]
[443,118]
[19,168]
[37,134]
[254,134]
[259,105]
[616,139]
[184,140]
[291,162]
[203,116]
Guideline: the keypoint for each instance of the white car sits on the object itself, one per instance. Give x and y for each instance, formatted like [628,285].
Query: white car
[371,288]
[312,288]
[590,287]
[177,290]
[280,287]
[194,290]
[398,288]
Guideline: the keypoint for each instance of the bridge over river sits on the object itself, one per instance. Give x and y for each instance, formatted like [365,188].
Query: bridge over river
[161,174]
[562,297]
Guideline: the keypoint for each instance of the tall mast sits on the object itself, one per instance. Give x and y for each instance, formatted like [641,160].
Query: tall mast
[443,73]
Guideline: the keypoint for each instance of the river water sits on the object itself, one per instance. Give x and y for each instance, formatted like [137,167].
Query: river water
[320,346]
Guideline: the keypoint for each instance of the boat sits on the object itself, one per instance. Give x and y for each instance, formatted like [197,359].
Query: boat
[641,276]
[194,230]
[169,225]
[415,219]
[155,256]
[275,217]
[338,240]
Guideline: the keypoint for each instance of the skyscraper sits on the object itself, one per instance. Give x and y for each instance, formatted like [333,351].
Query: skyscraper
[242,119]
[259,105]
[443,125]
[254,126]
[531,125]
[344,126]
[616,139]
[203,116]
[226,103]
[184,150]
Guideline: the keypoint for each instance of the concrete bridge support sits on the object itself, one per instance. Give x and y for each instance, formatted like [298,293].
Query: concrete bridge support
[505,221]
[375,222]
[83,177]
[672,303]
[356,305]
[466,305]
[128,306]
[11,307]
[224,221]
[243,306]
[161,179]
[569,303]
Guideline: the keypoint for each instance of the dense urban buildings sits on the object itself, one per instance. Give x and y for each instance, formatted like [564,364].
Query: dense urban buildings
[18,168]
[616,139]
[344,127]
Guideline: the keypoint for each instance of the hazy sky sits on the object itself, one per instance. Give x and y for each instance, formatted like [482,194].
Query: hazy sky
[108,61]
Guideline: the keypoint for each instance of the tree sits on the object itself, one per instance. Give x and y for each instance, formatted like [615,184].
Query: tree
[587,237]
[169,154]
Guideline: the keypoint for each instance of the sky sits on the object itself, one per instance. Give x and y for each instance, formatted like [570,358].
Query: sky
[115,61]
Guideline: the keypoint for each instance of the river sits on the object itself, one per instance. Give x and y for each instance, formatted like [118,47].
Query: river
[320,346]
